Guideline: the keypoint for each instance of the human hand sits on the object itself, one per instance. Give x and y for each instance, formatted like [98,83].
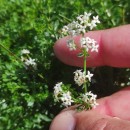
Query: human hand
[113,51]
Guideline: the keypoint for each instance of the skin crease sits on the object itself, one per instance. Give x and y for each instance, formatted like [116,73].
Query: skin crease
[114,51]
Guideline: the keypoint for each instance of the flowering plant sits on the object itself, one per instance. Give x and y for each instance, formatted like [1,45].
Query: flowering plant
[27,60]
[62,93]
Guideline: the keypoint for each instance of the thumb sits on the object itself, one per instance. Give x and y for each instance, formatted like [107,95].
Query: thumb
[64,121]
[87,120]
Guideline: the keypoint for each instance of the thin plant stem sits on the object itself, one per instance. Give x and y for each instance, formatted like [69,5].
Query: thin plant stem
[85,65]
[11,53]
[65,18]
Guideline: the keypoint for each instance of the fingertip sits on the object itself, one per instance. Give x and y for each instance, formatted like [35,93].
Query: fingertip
[63,53]
[64,121]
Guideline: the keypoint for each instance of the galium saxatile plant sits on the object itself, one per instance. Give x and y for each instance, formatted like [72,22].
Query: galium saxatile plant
[28,61]
[82,77]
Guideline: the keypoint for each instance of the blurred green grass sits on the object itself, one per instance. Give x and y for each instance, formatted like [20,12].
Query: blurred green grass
[26,101]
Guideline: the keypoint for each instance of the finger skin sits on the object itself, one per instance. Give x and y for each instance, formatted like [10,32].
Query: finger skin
[114,51]
[64,121]
[88,120]
[91,120]
[117,105]
[101,118]
[114,46]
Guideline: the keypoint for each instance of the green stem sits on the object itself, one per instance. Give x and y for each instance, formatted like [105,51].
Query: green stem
[85,85]
[68,20]
[12,54]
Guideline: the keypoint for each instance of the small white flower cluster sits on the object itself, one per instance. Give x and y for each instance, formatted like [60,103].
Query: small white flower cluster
[59,94]
[81,24]
[90,99]
[85,43]
[66,99]
[28,61]
[57,89]
[71,45]
[25,51]
[31,62]
[89,44]
[65,96]
[80,77]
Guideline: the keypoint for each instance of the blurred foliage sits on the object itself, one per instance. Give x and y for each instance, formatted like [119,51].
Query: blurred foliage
[26,101]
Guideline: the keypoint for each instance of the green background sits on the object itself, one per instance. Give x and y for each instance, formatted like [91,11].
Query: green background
[26,95]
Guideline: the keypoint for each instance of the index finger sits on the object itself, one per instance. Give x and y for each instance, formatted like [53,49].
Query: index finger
[114,48]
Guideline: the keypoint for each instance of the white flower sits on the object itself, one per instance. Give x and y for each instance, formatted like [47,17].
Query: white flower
[57,89]
[71,44]
[90,99]
[89,44]
[93,41]
[94,48]
[66,99]
[79,26]
[85,42]
[30,61]
[92,24]
[96,20]
[84,18]
[79,17]
[25,51]
[65,30]
[87,15]
[79,77]
[73,32]
[89,75]
[82,29]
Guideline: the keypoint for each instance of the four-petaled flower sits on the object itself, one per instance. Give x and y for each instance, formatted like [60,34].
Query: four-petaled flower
[66,99]
[95,19]
[94,48]
[89,75]
[30,61]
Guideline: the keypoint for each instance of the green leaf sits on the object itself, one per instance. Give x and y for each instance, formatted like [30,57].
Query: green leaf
[45,118]
[80,54]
